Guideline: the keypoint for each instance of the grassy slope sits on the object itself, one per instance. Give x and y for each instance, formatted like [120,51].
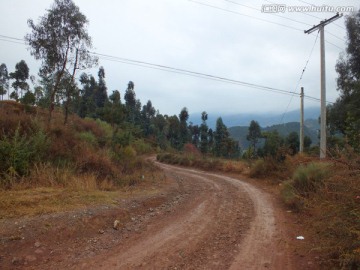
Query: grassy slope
[48,169]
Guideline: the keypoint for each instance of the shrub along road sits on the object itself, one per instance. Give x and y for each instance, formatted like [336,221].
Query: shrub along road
[200,221]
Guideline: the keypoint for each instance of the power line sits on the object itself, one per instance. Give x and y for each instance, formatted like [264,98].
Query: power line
[187,72]
[256,18]
[11,38]
[342,39]
[190,73]
[301,76]
[273,14]
[245,15]
[199,75]
[11,41]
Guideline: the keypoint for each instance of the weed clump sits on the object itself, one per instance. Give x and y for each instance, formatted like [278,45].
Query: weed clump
[310,178]
[306,180]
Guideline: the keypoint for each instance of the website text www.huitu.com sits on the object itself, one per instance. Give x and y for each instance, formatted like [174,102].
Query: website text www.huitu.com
[277,8]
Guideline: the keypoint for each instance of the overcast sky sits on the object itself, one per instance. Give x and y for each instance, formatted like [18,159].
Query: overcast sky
[232,41]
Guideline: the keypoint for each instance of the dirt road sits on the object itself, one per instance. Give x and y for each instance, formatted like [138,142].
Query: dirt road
[221,223]
[207,221]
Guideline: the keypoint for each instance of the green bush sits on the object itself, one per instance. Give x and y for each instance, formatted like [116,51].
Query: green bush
[88,137]
[15,153]
[18,152]
[108,132]
[310,178]
[290,197]
[141,147]
[306,179]
[258,169]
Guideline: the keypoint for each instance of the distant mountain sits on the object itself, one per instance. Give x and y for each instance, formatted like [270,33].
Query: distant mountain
[264,119]
[239,133]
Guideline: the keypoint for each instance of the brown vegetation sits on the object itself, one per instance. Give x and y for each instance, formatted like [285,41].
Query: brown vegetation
[63,166]
[326,195]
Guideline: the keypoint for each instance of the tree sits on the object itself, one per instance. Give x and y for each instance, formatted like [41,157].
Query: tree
[87,106]
[307,142]
[273,143]
[20,75]
[204,138]
[147,114]
[344,115]
[184,132]
[114,110]
[220,136]
[61,41]
[254,134]
[173,134]
[161,127]
[194,134]
[130,102]
[38,93]
[293,142]
[100,94]
[4,80]
[210,140]
[224,146]
[28,98]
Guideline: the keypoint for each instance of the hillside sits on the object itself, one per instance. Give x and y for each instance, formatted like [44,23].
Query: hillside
[264,119]
[239,133]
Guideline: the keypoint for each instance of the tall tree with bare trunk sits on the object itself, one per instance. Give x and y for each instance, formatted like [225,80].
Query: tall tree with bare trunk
[61,41]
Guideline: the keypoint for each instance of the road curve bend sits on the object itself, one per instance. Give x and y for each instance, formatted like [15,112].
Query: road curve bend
[217,222]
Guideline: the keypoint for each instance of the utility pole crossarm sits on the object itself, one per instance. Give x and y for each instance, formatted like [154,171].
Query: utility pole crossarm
[323,23]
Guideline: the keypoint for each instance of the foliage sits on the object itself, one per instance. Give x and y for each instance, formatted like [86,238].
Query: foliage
[183,128]
[327,194]
[61,41]
[344,115]
[88,137]
[20,75]
[192,158]
[269,167]
[18,152]
[293,143]
[4,80]
[310,178]
[254,134]
[224,146]
[273,145]
[204,136]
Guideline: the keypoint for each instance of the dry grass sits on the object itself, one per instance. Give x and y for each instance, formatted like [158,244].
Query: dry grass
[35,201]
[61,190]
[327,196]
[203,162]
[335,218]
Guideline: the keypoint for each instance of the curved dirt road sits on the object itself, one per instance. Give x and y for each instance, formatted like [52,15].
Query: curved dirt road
[217,223]
[198,220]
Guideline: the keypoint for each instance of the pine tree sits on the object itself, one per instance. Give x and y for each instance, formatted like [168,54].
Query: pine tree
[204,140]
[20,75]
[254,135]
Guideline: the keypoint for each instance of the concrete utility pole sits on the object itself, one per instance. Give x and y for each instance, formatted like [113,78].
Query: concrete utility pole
[321,26]
[302,120]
